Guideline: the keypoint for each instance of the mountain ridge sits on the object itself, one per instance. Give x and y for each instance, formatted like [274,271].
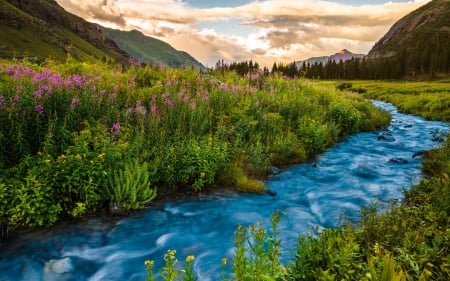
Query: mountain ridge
[420,25]
[343,55]
[38,30]
[147,49]
[43,29]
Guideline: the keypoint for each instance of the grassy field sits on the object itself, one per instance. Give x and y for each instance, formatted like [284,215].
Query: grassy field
[430,99]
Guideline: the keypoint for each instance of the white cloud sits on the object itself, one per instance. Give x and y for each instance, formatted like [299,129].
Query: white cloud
[283,30]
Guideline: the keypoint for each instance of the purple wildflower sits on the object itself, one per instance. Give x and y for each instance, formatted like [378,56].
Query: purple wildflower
[10,70]
[15,99]
[39,109]
[115,128]
[193,105]
[154,109]
[38,93]
[75,102]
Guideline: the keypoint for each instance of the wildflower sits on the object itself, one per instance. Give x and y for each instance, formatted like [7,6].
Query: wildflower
[193,105]
[115,128]
[39,109]
[80,204]
[190,258]
[283,270]
[75,102]
[15,99]
[224,261]
[38,94]
[154,109]
[149,263]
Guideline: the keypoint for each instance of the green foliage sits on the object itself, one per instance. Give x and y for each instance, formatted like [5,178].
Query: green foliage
[130,188]
[257,255]
[79,125]
[346,117]
[32,202]
[170,272]
[332,254]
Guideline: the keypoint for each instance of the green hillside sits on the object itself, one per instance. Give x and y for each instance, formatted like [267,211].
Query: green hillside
[150,50]
[40,29]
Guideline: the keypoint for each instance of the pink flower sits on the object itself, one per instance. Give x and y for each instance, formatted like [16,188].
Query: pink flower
[115,128]
[39,109]
[75,102]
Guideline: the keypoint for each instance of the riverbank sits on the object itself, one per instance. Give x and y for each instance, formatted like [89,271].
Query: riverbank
[76,138]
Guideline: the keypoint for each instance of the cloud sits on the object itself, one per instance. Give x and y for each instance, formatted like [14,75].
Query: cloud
[280,30]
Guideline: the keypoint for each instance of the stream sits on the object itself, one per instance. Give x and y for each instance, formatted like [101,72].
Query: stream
[362,168]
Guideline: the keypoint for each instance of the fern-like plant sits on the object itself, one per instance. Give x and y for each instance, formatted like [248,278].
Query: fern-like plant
[130,187]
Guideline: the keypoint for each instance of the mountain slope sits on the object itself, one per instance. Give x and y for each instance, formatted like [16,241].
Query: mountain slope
[343,55]
[420,41]
[430,20]
[42,29]
[150,50]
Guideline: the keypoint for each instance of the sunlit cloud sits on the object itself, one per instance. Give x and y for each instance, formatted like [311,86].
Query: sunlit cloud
[279,30]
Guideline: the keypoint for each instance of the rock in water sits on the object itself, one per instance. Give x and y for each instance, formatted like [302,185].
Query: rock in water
[59,266]
[398,161]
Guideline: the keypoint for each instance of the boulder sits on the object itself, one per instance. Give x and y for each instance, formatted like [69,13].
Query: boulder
[398,161]
[270,192]
[59,266]
[386,136]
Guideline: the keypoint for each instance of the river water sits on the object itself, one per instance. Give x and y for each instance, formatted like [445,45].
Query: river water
[364,167]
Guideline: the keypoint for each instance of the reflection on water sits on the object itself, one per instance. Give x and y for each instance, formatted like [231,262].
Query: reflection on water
[363,168]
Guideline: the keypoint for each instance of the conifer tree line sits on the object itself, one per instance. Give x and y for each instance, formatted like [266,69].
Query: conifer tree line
[429,56]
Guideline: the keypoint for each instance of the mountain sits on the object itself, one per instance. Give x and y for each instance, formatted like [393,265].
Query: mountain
[147,49]
[417,28]
[41,29]
[343,55]
[419,42]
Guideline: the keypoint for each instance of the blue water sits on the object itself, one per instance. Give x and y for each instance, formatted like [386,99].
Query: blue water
[345,178]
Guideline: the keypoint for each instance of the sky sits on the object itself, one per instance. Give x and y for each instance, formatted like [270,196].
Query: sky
[265,31]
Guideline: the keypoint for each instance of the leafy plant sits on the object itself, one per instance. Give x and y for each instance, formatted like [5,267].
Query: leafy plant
[130,187]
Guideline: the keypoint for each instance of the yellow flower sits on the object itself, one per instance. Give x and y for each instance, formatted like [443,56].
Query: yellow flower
[149,263]
[47,161]
[224,261]
[283,270]
[190,258]
[101,155]
[80,204]
[78,157]
[377,249]
[62,156]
